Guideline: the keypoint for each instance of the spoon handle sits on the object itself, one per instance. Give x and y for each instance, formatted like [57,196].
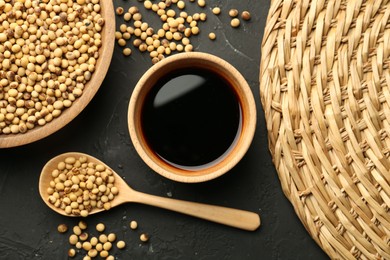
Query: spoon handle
[231,217]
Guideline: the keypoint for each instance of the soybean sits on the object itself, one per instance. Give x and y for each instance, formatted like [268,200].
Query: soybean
[133,224]
[144,237]
[245,15]
[212,36]
[62,228]
[121,244]
[235,22]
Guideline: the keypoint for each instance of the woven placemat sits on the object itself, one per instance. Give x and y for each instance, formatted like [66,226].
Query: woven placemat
[325,91]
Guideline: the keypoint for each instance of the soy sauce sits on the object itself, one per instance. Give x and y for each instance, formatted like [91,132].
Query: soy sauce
[191,118]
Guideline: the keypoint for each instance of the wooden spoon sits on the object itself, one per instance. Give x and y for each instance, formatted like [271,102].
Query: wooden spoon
[232,217]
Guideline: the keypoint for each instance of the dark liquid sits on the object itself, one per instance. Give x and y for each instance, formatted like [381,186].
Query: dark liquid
[191,118]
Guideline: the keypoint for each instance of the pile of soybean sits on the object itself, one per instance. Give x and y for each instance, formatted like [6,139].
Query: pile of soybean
[79,186]
[48,52]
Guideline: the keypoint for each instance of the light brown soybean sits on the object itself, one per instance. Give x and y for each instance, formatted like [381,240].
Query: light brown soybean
[169,35]
[122,42]
[107,206]
[100,227]
[160,12]
[137,24]
[127,51]
[177,36]
[187,32]
[103,254]
[82,224]
[137,32]
[144,237]
[99,247]
[185,41]
[107,246]
[127,17]
[137,17]
[92,253]
[150,31]
[142,47]
[155,7]
[216,10]
[118,35]
[202,3]
[71,252]
[77,230]
[153,54]
[188,48]
[83,236]
[103,238]
[73,239]
[235,22]
[120,244]
[123,28]
[87,246]
[162,5]
[79,245]
[133,10]
[84,213]
[233,12]
[212,36]
[161,50]
[137,42]
[196,16]
[144,26]
[126,35]
[111,237]
[194,30]
[94,241]
[133,224]
[179,47]
[181,4]
[148,4]
[62,228]
[170,13]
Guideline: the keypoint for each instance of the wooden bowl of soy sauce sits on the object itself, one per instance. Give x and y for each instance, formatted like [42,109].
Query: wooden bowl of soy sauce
[192,117]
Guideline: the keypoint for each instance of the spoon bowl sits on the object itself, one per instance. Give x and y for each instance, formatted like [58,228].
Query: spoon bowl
[231,217]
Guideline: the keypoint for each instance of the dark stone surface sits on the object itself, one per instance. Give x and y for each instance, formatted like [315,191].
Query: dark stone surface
[28,226]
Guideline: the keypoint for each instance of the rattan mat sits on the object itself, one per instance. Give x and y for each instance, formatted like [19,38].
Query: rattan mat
[325,91]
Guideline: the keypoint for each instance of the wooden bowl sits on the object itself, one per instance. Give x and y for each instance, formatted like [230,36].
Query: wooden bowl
[91,87]
[187,61]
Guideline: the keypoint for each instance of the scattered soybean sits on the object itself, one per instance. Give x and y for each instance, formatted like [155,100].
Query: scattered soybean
[176,29]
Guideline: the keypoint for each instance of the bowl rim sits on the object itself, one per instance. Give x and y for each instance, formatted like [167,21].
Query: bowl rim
[249,122]
[91,87]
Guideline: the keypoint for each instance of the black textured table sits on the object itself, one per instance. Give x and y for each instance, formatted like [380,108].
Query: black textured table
[28,228]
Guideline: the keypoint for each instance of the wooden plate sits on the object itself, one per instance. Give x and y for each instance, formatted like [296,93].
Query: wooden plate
[103,62]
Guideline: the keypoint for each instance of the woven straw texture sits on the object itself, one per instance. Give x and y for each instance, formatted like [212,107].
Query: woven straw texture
[325,91]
